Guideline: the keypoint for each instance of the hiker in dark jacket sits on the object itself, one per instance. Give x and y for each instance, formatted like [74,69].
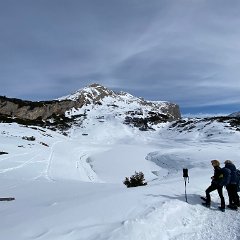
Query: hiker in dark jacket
[232,186]
[219,179]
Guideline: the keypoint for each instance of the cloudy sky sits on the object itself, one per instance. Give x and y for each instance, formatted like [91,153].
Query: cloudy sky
[183,51]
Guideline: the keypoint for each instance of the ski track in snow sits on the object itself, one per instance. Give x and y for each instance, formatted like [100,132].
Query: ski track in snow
[80,162]
[50,160]
[23,163]
[83,165]
[13,156]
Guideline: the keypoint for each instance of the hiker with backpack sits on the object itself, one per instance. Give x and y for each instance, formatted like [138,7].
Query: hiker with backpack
[232,186]
[220,178]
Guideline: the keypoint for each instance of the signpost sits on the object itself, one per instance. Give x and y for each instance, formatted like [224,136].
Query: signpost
[185,176]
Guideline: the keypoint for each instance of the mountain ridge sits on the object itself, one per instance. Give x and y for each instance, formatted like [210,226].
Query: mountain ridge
[235,114]
[133,108]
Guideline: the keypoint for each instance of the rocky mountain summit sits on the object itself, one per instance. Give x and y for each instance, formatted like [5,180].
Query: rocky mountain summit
[132,110]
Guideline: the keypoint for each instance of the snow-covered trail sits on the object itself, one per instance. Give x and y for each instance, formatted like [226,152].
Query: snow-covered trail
[176,220]
[69,159]
[217,225]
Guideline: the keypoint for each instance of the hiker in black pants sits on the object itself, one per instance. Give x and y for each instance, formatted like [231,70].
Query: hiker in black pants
[220,178]
[232,186]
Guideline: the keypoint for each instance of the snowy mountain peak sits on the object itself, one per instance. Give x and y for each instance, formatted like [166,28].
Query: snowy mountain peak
[95,93]
[89,102]
[90,94]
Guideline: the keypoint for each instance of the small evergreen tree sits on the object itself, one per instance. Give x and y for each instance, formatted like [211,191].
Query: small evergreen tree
[135,180]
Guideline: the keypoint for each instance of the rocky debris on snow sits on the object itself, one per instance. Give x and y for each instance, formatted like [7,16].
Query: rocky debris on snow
[32,138]
[2,152]
[188,125]
[44,144]
[55,122]
[146,123]
[7,198]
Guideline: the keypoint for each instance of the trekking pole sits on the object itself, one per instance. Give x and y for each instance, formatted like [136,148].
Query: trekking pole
[185,175]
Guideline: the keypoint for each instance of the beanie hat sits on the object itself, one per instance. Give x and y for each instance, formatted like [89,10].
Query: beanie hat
[215,163]
[228,161]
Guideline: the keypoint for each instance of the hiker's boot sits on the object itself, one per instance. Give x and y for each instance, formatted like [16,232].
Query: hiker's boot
[221,209]
[233,207]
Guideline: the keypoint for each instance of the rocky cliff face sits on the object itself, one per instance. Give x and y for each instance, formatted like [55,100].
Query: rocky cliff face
[34,110]
[134,109]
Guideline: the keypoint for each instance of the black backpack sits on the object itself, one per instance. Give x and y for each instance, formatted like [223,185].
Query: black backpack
[238,179]
[226,176]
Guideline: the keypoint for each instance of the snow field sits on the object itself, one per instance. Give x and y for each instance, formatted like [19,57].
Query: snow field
[72,189]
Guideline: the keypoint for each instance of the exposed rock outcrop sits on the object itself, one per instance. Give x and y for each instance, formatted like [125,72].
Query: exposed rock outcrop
[187,125]
[33,110]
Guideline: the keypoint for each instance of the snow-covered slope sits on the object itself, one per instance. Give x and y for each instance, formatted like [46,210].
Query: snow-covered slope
[70,187]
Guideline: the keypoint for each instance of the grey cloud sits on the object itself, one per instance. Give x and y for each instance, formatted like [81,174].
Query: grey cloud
[183,51]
